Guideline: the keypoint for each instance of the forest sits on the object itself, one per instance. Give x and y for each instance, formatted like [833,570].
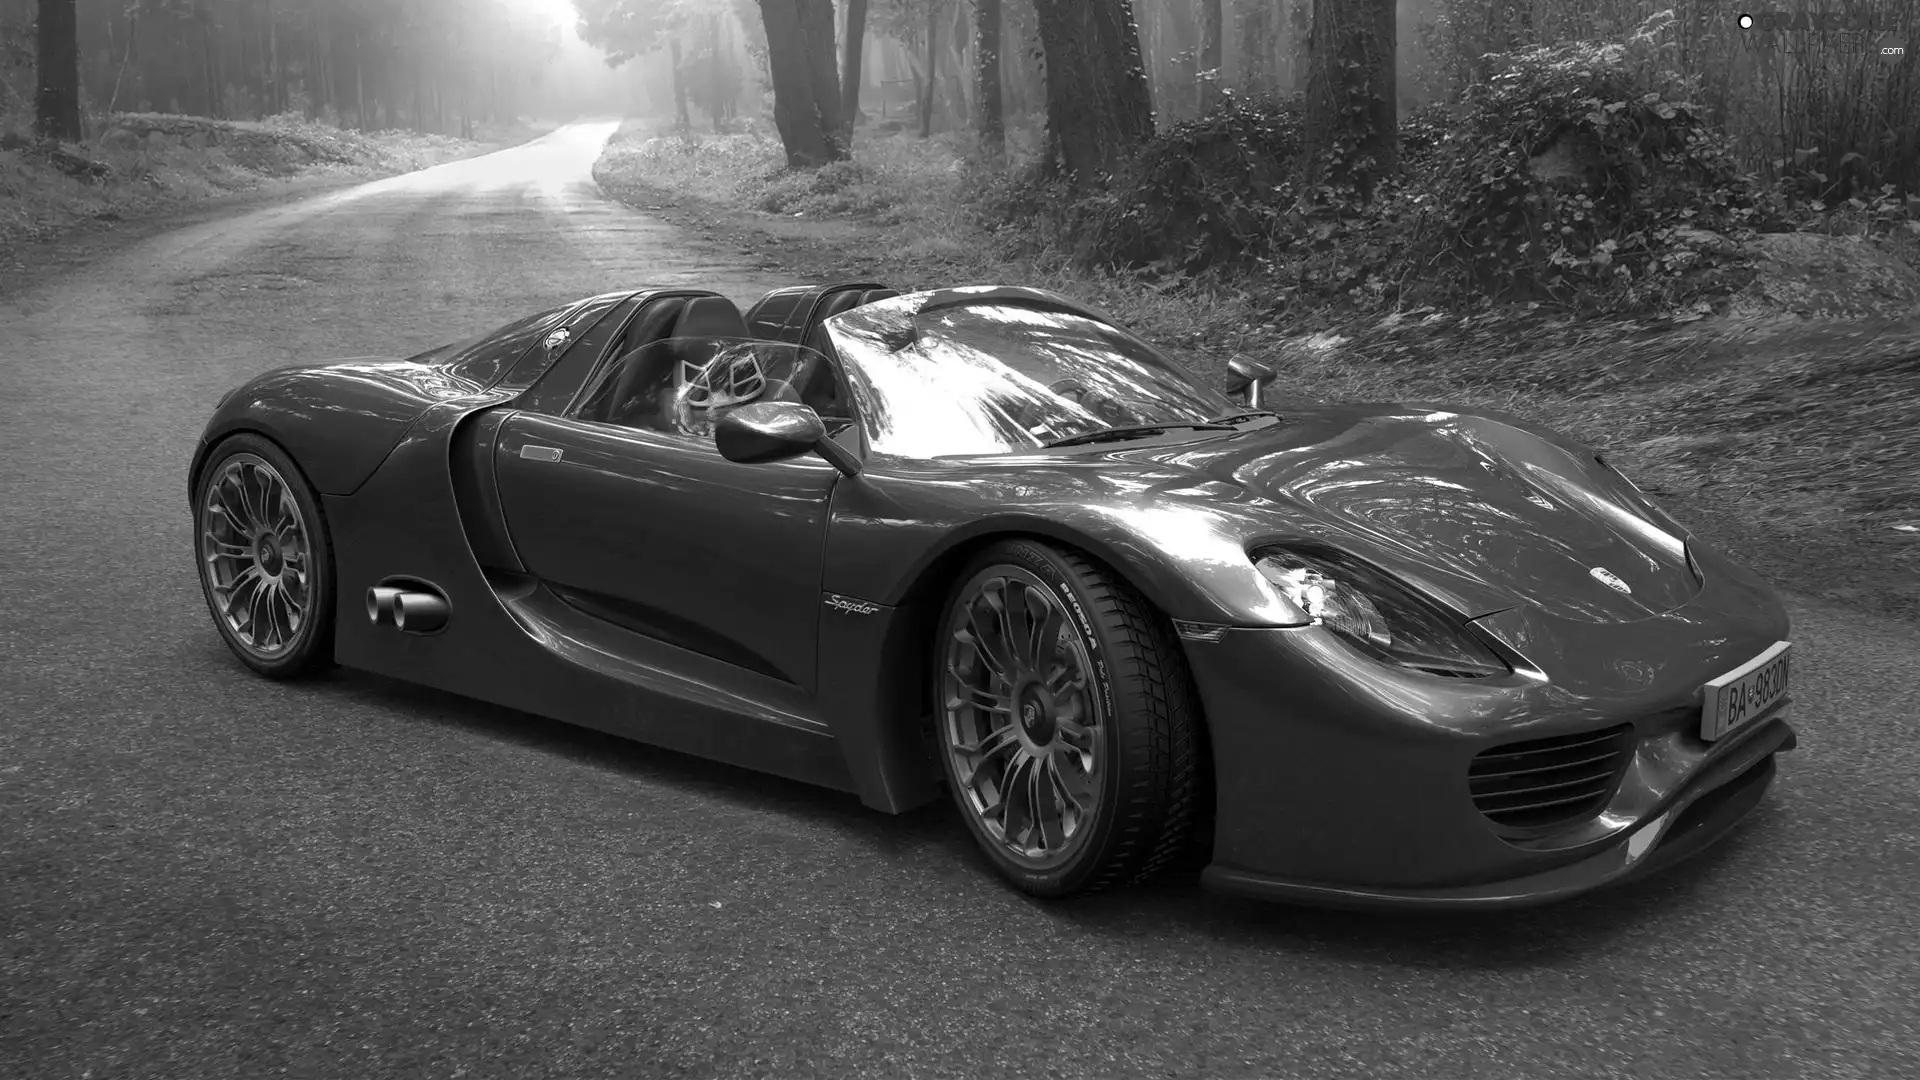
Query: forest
[1535,149]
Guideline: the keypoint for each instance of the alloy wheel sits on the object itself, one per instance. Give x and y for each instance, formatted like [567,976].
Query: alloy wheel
[256,555]
[1020,724]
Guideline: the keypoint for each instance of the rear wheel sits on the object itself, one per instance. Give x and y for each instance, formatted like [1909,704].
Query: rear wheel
[1066,722]
[266,566]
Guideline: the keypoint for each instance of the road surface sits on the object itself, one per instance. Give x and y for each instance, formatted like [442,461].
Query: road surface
[204,875]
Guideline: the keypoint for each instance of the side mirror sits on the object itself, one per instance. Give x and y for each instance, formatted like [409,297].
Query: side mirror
[1250,376]
[778,430]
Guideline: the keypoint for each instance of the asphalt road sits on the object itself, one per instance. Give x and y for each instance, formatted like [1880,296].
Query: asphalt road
[205,875]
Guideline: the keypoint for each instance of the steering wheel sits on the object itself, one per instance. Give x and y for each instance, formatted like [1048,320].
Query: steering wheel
[1095,402]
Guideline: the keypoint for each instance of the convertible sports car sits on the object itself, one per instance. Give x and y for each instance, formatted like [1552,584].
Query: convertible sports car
[984,539]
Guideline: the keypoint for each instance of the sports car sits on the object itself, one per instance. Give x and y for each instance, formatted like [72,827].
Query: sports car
[984,540]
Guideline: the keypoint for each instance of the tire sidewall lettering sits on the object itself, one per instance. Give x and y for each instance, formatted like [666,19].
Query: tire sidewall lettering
[1090,640]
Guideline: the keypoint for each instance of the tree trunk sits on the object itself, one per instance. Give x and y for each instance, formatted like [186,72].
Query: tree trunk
[959,86]
[990,119]
[249,82]
[1350,124]
[1255,26]
[276,90]
[680,118]
[850,53]
[808,131]
[57,100]
[1098,104]
[933,70]
[816,23]
[210,66]
[126,56]
[1287,54]
[1208,75]
[329,91]
[310,75]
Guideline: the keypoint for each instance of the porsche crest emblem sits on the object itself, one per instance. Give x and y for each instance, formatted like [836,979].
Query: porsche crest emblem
[1611,580]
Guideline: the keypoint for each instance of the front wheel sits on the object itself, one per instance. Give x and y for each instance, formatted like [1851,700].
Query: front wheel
[1067,723]
[266,565]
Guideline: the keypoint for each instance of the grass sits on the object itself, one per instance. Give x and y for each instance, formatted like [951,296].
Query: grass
[159,163]
[1793,444]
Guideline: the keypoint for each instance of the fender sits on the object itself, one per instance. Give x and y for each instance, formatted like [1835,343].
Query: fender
[1187,556]
[337,420]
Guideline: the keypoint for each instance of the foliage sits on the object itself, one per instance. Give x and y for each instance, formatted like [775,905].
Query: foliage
[1200,193]
[893,176]
[1571,173]
[1581,176]
[440,64]
[148,163]
[625,29]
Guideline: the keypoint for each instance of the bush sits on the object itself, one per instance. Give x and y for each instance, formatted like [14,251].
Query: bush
[1572,175]
[1203,193]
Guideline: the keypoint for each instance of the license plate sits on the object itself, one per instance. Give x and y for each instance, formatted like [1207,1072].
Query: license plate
[1745,692]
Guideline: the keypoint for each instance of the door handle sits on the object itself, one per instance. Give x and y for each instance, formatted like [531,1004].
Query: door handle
[540,453]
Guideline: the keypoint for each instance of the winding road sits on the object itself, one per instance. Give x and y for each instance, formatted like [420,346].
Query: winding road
[204,875]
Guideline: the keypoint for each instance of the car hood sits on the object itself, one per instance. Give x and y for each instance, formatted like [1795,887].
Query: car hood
[1483,512]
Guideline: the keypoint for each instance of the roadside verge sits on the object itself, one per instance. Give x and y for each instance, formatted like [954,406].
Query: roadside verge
[62,205]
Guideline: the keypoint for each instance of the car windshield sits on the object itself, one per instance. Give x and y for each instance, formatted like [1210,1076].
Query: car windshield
[1005,376]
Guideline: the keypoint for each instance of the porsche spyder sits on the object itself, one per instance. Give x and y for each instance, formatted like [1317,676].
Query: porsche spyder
[984,541]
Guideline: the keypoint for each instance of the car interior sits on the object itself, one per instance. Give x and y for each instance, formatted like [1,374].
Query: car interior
[637,390]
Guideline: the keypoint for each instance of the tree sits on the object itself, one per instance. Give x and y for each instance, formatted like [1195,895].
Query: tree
[990,120]
[1254,26]
[823,74]
[800,60]
[933,66]
[57,101]
[850,65]
[915,26]
[806,98]
[1350,127]
[1209,73]
[1098,104]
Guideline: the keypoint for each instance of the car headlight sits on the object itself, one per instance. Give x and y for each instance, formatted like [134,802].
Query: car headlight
[1378,615]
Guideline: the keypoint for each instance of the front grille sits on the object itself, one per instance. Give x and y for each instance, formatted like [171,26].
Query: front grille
[1540,783]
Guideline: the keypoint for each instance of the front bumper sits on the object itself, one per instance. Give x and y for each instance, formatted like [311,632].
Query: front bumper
[1708,809]
[1340,781]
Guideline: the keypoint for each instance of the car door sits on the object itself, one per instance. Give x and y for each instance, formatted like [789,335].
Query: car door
[658,533]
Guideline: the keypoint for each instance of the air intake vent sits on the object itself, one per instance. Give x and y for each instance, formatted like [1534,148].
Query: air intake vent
[1541,783]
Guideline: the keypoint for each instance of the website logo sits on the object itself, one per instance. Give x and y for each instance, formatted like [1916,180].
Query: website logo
[1878,30]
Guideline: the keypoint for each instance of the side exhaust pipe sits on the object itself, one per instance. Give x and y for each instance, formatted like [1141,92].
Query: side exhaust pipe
[410,611]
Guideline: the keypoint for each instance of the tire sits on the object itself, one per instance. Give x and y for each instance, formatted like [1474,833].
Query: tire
[1107,729]
[265,559]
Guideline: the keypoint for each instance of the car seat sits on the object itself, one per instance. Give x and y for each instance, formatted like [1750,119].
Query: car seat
[615,395]
[816,385]
[645,391]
